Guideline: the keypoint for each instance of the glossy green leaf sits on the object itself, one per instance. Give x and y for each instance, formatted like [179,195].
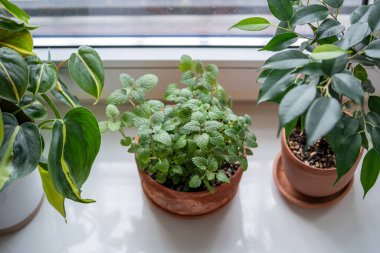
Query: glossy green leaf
[20,150]
[347,126]
[375,136]
[360,14]
[20,41]
[321,117]
[10,25]
[42,77]
[334,3]
[86,69]
[311,69]
[373,49]
[373,17]
[296,102]
[15,11]
[374,104]
[1,128]
[348,86]
[354,35]
[55,199]
[337,65]
[252,24]
[277,82]
[281,9]
[309,14]
[33,108]
[370,170]
[327,52]
[281,41]
[346,153]
[286,60]
[328,28]
[13,75]
[74,146]
[360,73]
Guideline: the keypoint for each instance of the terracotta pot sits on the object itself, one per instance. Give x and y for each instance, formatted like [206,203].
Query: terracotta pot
[189,203]
[309,180]
[21,200]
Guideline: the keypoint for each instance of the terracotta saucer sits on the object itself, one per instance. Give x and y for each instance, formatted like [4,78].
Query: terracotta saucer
[299,199]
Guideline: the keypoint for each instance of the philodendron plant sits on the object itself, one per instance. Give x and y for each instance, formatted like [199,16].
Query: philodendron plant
[184,146]
[26,86]
[323,86]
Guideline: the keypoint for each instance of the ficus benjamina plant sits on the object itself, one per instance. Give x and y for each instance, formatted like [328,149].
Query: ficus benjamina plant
[186,143]
[27,85]
[323,86]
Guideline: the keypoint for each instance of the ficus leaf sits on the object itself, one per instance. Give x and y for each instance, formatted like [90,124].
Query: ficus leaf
[252,24]
[373,49]
[281,9]
[281,41]
[321,117]
[334,3]
[309,14]
[373,17]
[277,82]
[370,170]
[327,52]
[348,86]
[374,104]
[296,102]
[286,60]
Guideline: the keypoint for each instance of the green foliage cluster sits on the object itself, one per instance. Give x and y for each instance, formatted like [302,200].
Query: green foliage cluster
[323,86]
[186,143]
[27,85]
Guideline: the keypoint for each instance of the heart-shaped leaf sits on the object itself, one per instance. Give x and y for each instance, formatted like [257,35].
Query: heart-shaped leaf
[15,11]
[74,146]
[20,150]
[86,69]
[10,25]
[13,75]
[33,108]
[42,77]
[21,41]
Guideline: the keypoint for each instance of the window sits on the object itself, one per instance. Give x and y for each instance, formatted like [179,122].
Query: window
[153,22]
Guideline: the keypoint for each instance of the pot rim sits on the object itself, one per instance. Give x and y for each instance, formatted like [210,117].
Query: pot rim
[309,168]
[234,178]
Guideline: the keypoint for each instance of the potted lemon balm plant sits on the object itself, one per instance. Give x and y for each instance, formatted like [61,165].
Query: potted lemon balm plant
[191,154]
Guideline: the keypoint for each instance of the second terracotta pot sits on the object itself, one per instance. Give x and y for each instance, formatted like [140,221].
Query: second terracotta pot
[189,203]
[309,180]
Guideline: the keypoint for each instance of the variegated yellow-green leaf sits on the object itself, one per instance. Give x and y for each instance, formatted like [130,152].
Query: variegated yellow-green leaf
[15,11]
[1,128]
[21,41]
[42,77]
[75,144]
[20,150]
[13,75]
[55,199]
[86,69]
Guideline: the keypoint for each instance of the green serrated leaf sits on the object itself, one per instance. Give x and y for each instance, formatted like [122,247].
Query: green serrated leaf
[195,181]
[222,177]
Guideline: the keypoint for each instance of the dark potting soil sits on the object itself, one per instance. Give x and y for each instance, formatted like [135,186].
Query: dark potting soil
[228,168]
[319,155]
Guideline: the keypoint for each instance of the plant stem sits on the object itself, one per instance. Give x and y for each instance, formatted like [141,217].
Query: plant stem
[51,105]
[44,123]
